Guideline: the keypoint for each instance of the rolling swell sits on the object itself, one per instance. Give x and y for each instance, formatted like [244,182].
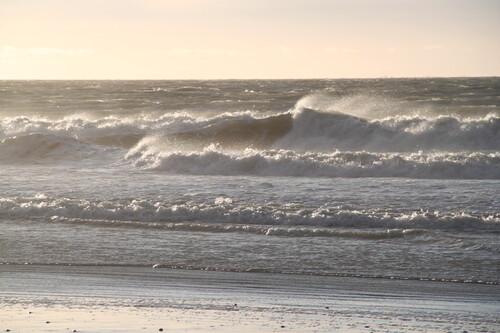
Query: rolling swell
[236,133]
[46,148]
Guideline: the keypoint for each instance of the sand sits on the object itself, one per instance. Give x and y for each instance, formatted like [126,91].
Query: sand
[142,299]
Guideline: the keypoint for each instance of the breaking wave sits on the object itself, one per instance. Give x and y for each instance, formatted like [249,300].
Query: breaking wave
[227,216]
[319,131]
[300,129]
[300,142]
[310,143]
[215,161]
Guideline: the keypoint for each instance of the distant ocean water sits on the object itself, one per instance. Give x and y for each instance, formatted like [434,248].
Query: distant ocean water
[389,178]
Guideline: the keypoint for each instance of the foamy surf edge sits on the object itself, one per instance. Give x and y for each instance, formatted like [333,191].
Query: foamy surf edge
[227,216]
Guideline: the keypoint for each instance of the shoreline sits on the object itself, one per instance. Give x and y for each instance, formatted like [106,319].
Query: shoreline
[209,269]
[131,299]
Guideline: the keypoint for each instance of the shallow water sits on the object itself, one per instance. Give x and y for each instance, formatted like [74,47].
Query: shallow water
[129,299]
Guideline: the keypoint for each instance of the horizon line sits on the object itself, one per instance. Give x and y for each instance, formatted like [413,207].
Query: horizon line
[262,79]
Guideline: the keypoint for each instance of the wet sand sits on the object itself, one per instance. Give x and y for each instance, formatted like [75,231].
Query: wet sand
[141,299]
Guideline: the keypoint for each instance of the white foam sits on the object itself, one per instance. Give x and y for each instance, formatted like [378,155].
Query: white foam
[88,127]
[224,215]
[215,161]
[328,131]
[312,130]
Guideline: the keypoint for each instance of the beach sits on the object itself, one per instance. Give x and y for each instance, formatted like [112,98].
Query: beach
[111,299]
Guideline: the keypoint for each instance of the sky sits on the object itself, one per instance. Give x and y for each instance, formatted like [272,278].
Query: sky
[248,39]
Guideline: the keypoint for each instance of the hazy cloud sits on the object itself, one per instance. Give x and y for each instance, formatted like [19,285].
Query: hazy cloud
[11,51]
[345,50]
[396,50]
[434,47]
[195,53]
[285,50]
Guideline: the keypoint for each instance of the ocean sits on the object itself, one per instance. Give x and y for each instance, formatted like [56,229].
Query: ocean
[371,178]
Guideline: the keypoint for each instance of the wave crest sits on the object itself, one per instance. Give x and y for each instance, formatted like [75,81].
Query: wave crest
[215,161]
[320,131]
[301,129]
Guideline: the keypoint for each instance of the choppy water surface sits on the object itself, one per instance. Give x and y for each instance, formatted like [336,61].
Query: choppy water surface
[387,178]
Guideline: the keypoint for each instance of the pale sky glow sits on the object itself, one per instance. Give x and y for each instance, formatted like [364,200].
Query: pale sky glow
[221,39]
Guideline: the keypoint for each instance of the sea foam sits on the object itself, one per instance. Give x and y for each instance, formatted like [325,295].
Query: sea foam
[302,142]
[298,129]
[229,216]
[215,161]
